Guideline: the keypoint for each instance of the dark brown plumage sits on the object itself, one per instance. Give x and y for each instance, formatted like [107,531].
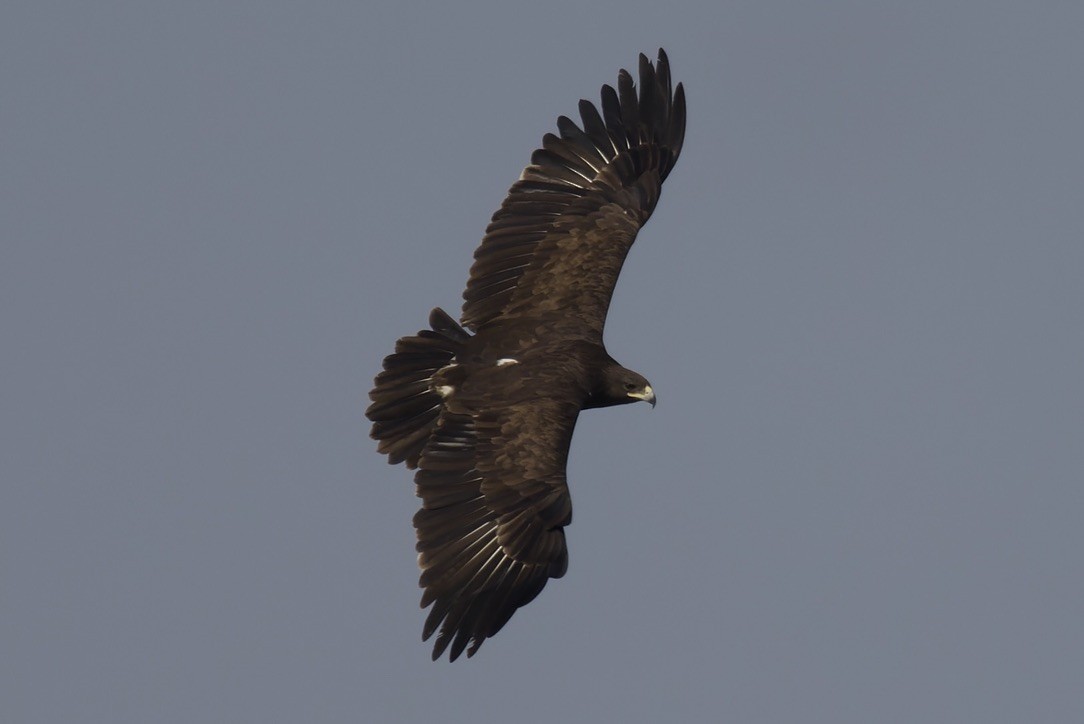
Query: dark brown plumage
[487,418]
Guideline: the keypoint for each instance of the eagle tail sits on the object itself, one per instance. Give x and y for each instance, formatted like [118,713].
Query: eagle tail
[404,410]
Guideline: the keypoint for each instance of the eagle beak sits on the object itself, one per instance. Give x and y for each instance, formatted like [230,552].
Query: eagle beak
[647,395]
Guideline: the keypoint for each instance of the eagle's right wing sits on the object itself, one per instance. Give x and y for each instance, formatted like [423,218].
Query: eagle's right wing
[494,504]
[553,251]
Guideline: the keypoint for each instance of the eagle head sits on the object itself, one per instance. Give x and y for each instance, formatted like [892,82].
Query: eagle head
[620,386]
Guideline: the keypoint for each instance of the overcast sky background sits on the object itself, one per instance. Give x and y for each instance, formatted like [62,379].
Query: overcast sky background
[860,302]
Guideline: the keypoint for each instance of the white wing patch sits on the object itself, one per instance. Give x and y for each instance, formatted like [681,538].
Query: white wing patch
[505,361]
[444,390]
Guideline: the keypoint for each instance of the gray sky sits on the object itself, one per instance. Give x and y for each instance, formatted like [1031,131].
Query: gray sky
[859,301]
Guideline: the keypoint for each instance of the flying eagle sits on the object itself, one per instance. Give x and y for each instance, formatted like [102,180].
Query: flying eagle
[487,418]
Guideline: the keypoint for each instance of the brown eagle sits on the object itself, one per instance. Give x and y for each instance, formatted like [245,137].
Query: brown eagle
[487,418]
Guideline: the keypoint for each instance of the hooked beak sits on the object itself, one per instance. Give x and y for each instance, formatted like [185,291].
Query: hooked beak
[647,395]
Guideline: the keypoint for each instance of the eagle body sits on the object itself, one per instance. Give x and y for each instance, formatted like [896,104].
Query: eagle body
[484,408]
[572,371]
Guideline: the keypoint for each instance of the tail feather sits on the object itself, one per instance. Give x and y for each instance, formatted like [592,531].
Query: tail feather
[404,410]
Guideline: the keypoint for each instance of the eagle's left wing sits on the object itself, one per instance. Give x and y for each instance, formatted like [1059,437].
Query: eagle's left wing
[494,504]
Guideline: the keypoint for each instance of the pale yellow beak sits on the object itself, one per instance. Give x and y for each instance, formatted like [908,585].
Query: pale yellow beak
[647,395]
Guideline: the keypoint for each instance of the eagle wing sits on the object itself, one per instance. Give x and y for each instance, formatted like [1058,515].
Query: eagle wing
[553,251]
[494,504]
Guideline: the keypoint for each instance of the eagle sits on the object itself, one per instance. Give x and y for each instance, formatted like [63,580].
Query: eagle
[484,408]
